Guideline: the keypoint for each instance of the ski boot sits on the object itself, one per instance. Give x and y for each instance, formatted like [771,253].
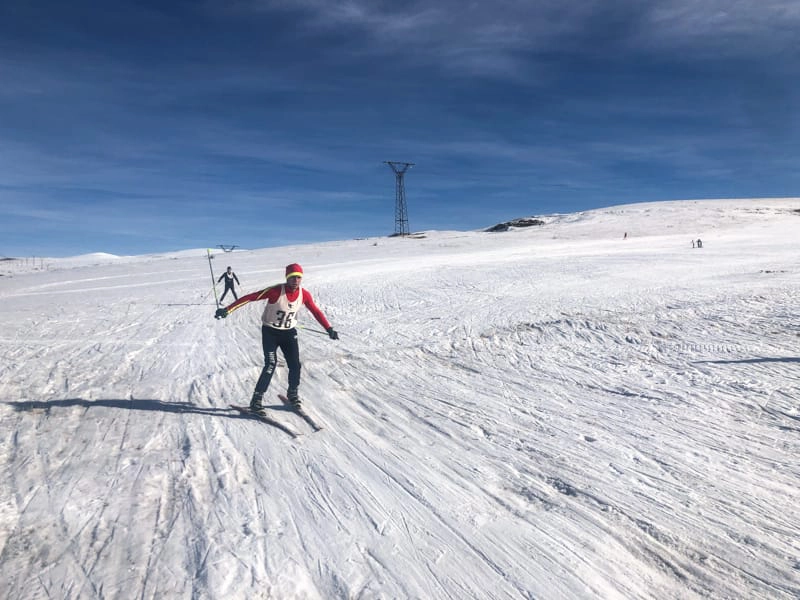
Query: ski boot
[292,397]
[255,403]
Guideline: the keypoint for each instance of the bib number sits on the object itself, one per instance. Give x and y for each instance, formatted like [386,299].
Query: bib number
[284,320]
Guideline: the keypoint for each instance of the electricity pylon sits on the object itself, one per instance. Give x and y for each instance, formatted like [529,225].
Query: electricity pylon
[400,210]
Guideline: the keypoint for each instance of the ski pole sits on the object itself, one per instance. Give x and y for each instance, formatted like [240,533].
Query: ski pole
[314,330]
[213,281]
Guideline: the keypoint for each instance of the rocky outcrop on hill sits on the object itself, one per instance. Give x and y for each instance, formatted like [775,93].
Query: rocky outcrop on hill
[526,222]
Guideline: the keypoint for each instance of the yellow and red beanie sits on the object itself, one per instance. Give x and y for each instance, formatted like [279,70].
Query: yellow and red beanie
[294,270]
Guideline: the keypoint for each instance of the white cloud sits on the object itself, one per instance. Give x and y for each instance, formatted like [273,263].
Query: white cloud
[488,38]
[733,28]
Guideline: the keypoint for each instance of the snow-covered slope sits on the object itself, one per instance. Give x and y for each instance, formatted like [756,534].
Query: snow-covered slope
[549,412]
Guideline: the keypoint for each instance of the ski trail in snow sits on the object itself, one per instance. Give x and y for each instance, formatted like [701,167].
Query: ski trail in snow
[674,558]
[523,415]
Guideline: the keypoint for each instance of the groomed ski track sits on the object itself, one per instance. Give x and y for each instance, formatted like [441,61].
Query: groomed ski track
[544,413]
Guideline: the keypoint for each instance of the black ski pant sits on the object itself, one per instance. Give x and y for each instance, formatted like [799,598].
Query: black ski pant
[233,291]
[286,340]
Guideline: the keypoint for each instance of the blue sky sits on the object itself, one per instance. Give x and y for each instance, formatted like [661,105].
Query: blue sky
[144,126]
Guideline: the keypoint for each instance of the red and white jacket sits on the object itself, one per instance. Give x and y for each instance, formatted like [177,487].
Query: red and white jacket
[282,306]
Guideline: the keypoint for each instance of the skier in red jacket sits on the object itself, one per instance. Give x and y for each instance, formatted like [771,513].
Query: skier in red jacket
[278,330]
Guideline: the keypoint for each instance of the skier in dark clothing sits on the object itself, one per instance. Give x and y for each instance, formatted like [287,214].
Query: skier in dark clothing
[284,301]
[229,277]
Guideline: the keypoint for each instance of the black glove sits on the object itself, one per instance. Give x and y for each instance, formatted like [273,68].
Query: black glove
[221,313]
[332,333]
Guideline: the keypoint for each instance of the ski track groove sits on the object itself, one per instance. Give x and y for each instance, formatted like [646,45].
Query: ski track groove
[532,449]
[407,489]
[674,401]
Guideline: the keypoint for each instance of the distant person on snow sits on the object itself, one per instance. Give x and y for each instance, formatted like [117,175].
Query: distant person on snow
[278,330]
[699,243]
[229,276]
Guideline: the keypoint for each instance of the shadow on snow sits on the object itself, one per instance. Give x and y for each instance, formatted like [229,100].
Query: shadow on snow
[749,361]
[145,405]
[130,404]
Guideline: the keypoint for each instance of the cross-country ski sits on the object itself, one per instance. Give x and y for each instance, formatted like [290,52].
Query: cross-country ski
[301,412]
[261,416]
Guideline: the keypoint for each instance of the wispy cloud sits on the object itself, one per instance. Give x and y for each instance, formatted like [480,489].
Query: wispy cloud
[504,38]
[742,27]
